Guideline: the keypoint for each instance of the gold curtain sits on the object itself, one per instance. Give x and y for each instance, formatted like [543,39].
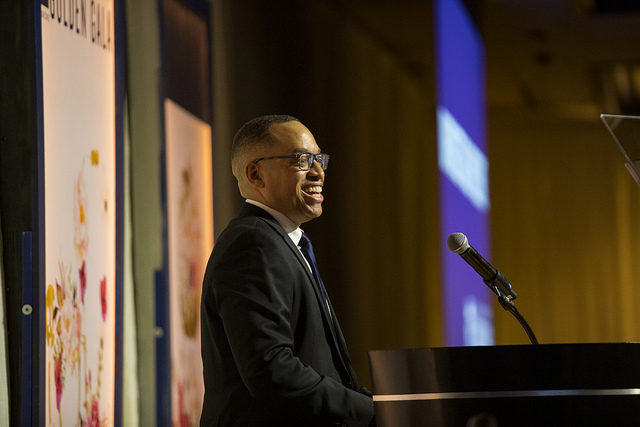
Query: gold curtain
[379,246]
[565,219]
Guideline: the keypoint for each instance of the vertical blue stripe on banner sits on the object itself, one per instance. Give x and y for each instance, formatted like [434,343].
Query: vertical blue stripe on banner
[27,328]
[163,354]
[465,204]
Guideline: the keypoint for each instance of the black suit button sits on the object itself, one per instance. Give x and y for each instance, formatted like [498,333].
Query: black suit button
[350,385]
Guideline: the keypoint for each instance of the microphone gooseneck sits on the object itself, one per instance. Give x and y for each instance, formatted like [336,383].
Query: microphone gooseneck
[492,277]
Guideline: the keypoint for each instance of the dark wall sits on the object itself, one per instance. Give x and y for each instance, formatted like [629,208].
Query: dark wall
[18,170]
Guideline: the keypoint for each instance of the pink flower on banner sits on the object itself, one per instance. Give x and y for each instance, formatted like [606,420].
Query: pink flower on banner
[103,297]
[87,380]
[81,229]
[83,280]
[57,310]
[95,412]
[194,274]
[59,294]
[183,417]
[73,340]
[58,378]
[92,417]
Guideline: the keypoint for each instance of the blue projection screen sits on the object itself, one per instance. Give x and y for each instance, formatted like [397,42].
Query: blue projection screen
[464,172]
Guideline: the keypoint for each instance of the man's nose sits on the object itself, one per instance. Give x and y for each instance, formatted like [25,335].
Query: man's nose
[316,170]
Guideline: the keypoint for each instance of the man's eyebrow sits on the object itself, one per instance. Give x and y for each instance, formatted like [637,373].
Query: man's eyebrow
[304,150]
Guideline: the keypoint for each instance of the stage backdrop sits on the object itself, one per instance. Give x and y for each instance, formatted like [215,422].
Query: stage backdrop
[79,110]
[189,205]
[190,220]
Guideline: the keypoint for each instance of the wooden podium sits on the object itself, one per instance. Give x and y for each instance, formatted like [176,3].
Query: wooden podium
[520,385]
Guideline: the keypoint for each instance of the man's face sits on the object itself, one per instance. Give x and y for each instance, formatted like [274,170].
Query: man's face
[295,193]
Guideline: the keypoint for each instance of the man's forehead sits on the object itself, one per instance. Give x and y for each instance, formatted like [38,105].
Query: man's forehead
[294,136]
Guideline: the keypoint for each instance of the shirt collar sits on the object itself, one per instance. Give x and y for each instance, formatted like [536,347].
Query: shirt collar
[294,232]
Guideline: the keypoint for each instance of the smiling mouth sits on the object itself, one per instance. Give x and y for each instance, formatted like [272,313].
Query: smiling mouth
[313,191]
[313,194]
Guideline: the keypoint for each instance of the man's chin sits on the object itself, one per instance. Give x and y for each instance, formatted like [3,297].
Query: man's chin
[312,213]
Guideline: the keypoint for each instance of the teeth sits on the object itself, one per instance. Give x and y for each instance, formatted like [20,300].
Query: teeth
[313,190]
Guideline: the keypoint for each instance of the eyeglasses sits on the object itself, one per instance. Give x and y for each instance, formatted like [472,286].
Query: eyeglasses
[305,160]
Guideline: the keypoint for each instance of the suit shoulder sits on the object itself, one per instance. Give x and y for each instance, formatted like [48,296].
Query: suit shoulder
[249,231]
[248,225]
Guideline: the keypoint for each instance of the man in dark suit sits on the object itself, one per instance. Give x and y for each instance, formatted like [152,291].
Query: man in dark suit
[273,352]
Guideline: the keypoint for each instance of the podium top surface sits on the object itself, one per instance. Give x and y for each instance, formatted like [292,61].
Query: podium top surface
[506,368]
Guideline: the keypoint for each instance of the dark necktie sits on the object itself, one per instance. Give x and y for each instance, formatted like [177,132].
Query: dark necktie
[307,251]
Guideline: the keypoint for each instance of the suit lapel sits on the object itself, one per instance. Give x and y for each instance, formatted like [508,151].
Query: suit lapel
[338,342]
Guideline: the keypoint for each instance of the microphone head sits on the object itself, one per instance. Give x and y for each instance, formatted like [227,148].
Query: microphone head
[457,242]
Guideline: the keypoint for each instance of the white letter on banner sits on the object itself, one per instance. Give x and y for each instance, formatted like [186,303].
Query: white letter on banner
[462,161]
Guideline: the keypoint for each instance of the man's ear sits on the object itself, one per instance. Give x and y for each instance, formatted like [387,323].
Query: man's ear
[254,175]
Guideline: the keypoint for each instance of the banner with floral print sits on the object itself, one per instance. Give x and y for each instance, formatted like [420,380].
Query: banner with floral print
[190,226]
[78,76]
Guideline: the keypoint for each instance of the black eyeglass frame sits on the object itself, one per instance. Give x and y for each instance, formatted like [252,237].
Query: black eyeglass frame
[321,158]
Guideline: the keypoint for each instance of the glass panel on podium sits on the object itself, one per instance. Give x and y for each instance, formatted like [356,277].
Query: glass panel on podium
[625,130]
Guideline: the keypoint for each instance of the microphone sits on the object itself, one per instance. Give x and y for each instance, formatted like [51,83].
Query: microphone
[458,243]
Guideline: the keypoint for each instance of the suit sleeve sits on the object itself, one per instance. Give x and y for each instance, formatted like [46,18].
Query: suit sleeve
[254,295]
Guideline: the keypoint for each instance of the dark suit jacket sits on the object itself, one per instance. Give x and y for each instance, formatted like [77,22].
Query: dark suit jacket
[269,356]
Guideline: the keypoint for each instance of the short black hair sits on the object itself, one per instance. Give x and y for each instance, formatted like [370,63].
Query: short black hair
[254,133]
